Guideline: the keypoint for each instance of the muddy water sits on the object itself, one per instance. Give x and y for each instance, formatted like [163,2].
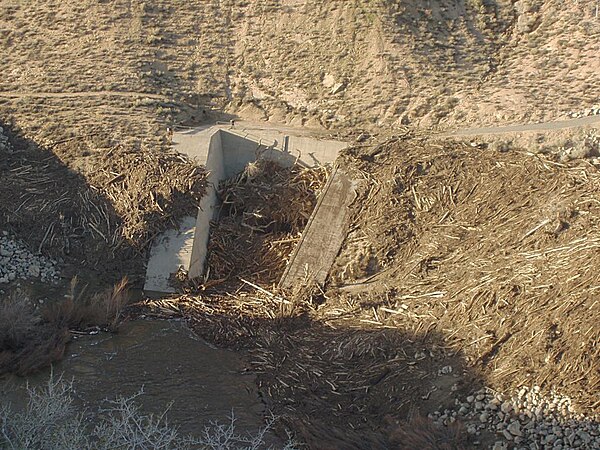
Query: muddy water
[172,366]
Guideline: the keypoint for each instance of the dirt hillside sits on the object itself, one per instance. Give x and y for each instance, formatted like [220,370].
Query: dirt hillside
[331,64]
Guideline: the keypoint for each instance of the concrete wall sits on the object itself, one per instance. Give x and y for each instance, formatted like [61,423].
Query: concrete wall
[314,152]
[225,152]
[208,206]
[309,150]
[238,151]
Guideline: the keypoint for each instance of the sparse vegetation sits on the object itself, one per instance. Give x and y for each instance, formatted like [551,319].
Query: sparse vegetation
[81,311]
[32,338]
[53,421]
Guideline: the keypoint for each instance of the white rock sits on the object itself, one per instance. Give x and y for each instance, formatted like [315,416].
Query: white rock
[328,80]
[337,88]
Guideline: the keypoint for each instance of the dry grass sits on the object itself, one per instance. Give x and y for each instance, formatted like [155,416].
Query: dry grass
[80,311]
[32,339]
[443,63]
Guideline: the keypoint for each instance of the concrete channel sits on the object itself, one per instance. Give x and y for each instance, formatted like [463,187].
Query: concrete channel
[225,151]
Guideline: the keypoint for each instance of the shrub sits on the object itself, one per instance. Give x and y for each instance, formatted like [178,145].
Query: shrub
[30,341]
[78,311]
[52,421]
[17,321]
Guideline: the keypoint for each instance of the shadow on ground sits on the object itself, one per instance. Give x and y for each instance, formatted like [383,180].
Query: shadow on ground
[339,386]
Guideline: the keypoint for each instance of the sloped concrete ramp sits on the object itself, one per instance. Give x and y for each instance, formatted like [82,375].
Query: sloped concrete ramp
[324,234]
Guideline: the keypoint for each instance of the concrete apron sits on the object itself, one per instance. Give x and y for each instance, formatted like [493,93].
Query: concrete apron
[225,151]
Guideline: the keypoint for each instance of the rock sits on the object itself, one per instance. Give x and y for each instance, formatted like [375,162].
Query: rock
[584,436]
[515,429]
[328,80]
[34,270]
[484,417]
[499,445]
[337,88]
[506,407]
[492,406]
[507,435]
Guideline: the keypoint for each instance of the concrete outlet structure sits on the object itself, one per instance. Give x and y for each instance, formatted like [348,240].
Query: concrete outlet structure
[225,152]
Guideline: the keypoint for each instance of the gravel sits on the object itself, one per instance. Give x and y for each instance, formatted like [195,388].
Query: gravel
[4,142]
[527,420]
[593,111]
[18,263]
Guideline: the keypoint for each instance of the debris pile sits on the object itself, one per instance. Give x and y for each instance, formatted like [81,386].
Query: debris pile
[496,251]
[103,209]
[264,211]
[464,267]
[17,262]
[148,189]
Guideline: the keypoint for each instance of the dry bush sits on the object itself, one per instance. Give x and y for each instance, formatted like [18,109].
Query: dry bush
[27,343]
[30,341]
[79,311]
[46,347]
[52,420]
[18,320]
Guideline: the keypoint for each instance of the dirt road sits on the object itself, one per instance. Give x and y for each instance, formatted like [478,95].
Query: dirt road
[544,126]
[81,94]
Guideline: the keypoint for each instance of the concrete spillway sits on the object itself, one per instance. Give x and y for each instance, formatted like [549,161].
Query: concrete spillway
[225,153]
